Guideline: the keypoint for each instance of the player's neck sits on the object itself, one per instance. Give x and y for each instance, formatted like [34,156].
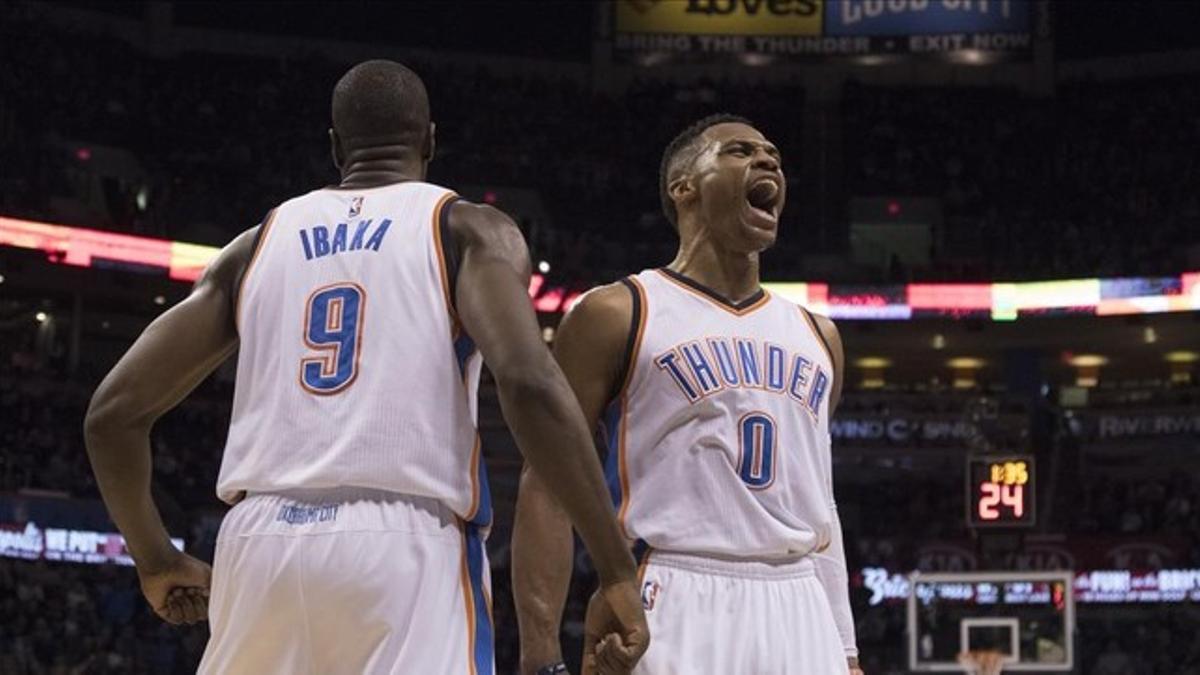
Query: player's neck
[372,167]
[732,275]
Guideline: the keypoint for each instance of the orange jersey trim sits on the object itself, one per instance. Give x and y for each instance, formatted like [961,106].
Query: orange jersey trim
[819,336]
[262,243]
[623,394]
[443,269]
[468,601]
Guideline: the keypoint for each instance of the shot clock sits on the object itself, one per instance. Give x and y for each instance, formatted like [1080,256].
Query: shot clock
[1000,491]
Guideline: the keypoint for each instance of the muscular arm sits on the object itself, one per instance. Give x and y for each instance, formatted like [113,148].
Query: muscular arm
[590,349]
[831,562]
[173,355]
[493,304]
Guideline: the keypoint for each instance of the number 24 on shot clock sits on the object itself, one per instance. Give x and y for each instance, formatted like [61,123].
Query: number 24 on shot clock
[1000,491]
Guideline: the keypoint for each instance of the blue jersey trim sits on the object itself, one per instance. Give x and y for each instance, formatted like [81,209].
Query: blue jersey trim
[611,425]
[464,349]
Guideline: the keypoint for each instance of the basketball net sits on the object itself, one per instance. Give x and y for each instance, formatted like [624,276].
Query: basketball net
[982,662]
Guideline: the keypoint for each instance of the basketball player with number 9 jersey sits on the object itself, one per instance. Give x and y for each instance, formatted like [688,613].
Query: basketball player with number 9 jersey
[713,399]
[361,315]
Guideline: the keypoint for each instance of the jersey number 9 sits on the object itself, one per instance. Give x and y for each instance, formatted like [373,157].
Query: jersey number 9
[333,322]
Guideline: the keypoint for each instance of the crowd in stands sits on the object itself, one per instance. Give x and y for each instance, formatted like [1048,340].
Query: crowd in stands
[1095,180]
[220,140]
[67,619]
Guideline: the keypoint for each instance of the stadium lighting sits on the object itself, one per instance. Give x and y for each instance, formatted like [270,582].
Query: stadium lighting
[159,300]
[964,368]
[544,267]
[1181,357]
[939,341]
[548,334]
[1,278]
[1087,369]
[872,371]
[41,317]
[1149,335]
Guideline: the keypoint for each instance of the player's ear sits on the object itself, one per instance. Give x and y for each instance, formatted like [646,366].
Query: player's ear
[681,190]
[335,148]
[430,143]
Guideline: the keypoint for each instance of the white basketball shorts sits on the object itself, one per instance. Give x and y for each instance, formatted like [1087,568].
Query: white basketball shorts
[739,617]
[348,581]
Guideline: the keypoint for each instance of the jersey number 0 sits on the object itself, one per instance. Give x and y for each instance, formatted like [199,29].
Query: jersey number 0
[333,323]
[756,445]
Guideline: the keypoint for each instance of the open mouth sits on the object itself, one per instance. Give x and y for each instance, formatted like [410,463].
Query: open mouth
[763,197]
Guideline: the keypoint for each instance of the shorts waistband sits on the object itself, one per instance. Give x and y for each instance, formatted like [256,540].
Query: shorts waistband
[297,512]
[342,495]
[745,568]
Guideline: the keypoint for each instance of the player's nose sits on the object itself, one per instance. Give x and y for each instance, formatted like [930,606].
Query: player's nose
[765,161]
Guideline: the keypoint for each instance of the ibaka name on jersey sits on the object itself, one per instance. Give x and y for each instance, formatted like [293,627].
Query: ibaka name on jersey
[319,242]
[701,368]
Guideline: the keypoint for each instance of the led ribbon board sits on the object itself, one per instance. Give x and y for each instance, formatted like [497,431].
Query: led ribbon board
[999,301]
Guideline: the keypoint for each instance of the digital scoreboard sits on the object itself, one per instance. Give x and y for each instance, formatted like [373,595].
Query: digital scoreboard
[1000,491]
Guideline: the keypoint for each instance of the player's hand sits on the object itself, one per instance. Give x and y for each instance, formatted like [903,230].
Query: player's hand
[855,669]
[177,589]
[615,634]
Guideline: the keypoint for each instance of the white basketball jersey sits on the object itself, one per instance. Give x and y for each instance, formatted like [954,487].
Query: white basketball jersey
[719,438]
[353,370]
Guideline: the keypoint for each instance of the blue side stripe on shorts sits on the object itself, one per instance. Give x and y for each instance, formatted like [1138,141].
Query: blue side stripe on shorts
[484,649]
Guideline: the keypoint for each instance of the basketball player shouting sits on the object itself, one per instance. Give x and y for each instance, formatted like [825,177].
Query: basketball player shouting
[360,313]
[714,399]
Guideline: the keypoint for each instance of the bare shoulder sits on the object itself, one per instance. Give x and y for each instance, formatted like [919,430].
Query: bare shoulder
[225,272]
[593,337]
[603,312]
[472,223]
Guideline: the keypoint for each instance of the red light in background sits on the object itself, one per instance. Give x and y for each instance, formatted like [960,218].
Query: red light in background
[569,301]
[893,208]
[489,197]
[83,154]
[550,301]
[950,296]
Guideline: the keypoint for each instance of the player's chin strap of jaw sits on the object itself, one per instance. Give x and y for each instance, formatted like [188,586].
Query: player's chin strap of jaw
[559,668]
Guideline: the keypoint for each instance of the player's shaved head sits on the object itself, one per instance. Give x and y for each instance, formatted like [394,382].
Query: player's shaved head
[380,102]
[680,154]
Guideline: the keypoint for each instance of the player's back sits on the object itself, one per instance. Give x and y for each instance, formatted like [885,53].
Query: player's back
[353,371]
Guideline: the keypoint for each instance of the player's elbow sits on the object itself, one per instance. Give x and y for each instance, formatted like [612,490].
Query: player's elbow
[529,386]
[107,412]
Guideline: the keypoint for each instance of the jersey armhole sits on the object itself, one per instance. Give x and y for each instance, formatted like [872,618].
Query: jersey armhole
[260,238]
[448,253]
[633,340]
[816,329]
